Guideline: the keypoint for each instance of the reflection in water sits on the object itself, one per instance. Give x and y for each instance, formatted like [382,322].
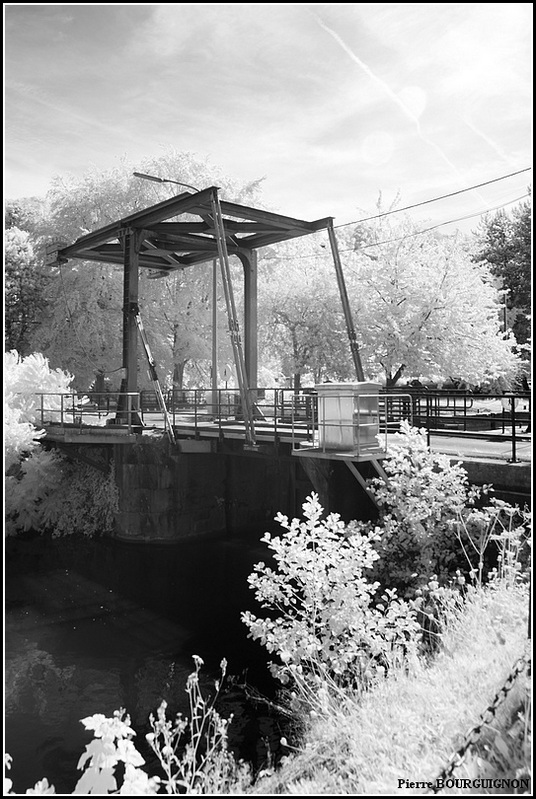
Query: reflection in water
[102,625]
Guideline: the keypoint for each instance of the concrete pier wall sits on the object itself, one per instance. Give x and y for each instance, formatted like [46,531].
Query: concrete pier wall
[168,494]
[165,495]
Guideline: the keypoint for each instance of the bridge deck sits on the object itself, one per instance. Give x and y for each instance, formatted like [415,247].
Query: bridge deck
[495,444]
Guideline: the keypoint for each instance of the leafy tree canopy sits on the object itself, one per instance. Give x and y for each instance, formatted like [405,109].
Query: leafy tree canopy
[504,242]
[300,314]
[83,329]
[423,307]
[24,289]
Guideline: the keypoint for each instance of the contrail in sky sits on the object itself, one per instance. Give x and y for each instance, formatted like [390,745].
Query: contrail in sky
[386,89]
[36,96]
[495,147]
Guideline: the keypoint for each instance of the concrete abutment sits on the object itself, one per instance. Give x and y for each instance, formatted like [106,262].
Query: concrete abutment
[169,494]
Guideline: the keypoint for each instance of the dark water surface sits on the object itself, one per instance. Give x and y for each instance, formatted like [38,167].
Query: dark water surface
[94,626]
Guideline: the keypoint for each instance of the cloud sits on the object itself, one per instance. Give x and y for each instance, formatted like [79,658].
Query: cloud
[65,112]
[398,100]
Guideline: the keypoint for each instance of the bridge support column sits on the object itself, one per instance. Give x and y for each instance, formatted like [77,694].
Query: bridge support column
[131,247]
[249,262]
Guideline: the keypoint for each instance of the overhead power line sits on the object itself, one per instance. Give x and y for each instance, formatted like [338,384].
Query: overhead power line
[434,227]
[408,235]
[435,199]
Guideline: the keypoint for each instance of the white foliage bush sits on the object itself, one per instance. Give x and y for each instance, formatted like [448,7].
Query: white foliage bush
[43,491]
[38,477]
[423,486]
[84,502]
[424,495]
[324,617]
[24,378]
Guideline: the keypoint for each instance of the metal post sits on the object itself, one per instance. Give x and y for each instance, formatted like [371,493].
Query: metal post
[130,310]
[345,303]
[513,459]
[249,262]
[214,375]
[220,414]
[234,327]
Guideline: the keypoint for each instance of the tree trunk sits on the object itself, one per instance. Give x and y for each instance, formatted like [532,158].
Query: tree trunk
[392,380]
[178,374]
[99,387]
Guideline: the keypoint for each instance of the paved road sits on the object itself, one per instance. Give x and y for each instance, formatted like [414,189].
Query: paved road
[482,448]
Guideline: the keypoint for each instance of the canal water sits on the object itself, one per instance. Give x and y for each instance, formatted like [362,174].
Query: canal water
[92,626]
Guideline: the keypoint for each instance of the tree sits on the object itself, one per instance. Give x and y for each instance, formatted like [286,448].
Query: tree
[423,307]
[504,242]
[27,214]
[301,316]
[83,331]
[24,289]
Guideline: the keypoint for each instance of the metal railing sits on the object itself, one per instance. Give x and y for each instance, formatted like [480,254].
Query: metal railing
[92,409]
[497,417]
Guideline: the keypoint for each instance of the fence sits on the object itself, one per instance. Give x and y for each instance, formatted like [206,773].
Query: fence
[498,417]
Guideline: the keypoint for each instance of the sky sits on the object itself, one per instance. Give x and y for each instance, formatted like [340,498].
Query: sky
[332,103]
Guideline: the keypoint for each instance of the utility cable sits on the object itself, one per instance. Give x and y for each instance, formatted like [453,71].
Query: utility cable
[435,199]
[434,227]
[408,235]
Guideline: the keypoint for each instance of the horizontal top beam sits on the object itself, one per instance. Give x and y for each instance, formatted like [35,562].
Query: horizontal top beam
[188,242]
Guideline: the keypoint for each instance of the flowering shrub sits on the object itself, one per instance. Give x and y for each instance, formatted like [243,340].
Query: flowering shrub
[43,490]
[23,377]
[424,494]
[323,600]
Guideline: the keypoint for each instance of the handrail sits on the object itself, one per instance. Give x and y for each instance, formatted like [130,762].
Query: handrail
[433,411]
[71,407]
[498,417]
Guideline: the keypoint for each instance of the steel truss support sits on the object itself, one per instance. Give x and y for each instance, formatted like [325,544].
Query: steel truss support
[249,262]
[345,303]
[154,378]
[234,327]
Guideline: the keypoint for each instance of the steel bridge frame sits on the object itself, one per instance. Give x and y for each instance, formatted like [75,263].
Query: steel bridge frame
[154,239]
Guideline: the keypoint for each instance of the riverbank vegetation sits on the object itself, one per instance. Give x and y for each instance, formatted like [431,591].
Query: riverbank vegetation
[44,490]
[382,688]
[407,727]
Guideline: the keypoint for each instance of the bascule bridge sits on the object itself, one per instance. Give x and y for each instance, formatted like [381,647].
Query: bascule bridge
[193,467]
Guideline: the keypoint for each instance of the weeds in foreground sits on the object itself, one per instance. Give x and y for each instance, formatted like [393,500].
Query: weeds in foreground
[193,752]
[506,526]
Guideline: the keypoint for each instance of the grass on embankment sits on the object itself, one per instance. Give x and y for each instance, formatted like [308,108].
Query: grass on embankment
[409,725]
